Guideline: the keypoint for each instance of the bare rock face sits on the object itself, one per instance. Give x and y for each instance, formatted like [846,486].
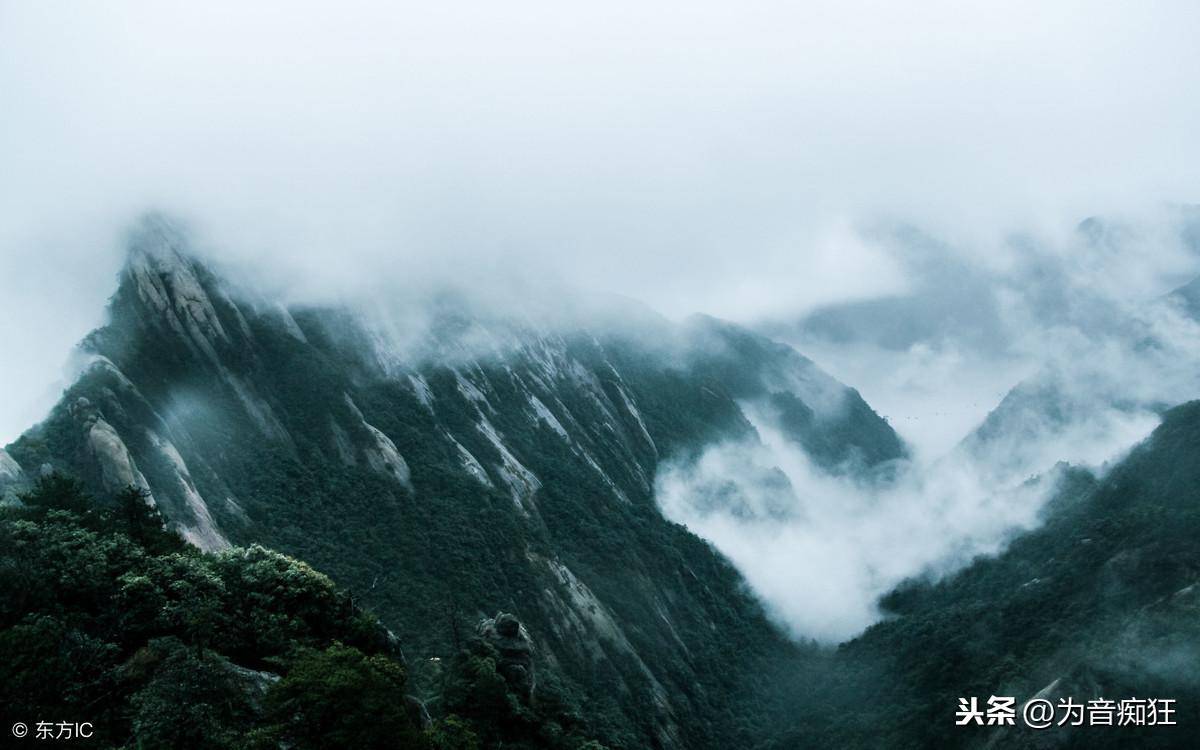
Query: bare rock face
[168,283]
[11,475]
[202,531]
[382,456]
[106,448]
[418,712]
[510,639]
[10,470]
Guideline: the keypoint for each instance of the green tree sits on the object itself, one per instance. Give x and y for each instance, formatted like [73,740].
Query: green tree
[475,690]
[196,599]
[190,702]
[452,733]
[140,519]
[339,697]
[58,492]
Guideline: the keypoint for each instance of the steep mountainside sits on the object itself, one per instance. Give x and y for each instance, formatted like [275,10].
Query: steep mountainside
[507,466]
[1100,602]
[1138,366]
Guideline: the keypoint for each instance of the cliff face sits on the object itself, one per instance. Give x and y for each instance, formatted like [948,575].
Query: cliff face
[509,466]
[11,473]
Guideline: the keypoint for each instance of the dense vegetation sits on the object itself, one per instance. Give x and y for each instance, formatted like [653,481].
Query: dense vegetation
[107,618]
[665,653]
[645,636]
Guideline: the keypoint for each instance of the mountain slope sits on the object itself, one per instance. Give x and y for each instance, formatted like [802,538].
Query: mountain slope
[499,465]
[107,617]
[1101,601]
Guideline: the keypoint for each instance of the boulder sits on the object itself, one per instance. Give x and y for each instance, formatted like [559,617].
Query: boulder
[515,648]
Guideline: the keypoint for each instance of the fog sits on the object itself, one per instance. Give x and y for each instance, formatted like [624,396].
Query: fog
[703,156]
[822,553]
[937,357]
[894,188]
[820,547]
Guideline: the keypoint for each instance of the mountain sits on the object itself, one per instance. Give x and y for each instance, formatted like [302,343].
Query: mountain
[945,300]
[1052,416]
[1188,298]
[489,463]
[106,616]
[1099,602]
[1136,369]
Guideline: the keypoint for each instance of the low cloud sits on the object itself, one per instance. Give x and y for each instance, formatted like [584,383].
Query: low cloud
[820,549]
[718,158]
[759,162]
[980,316]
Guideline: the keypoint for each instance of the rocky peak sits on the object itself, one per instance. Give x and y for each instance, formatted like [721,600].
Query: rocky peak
[512,642]
[495,416]
[171,290]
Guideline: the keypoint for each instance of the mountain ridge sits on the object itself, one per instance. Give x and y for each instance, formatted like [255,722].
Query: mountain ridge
[511,477]
[1097,602]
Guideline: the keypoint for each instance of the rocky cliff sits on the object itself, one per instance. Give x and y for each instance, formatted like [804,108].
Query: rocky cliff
[501,464]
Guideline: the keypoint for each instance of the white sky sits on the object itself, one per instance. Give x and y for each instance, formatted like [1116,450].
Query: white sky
[697,155]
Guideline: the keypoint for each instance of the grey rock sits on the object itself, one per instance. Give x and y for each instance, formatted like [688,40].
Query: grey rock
[10,470]
[106,448]
[515,648]
[417,712]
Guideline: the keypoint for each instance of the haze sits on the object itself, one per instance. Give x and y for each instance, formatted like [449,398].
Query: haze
[811,169]
[895,189]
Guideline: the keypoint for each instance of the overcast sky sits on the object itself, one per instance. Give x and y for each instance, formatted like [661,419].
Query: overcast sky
[697,155]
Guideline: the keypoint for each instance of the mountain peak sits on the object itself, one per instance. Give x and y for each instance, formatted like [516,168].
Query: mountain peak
[165,286]
[157,234]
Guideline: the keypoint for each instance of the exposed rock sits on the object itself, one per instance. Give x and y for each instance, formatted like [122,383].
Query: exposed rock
[543,414]
[382,456]
[422,390]
[418,714]
[1058,735]
[470,463]
[107,450]
[289,323]
[510,639]
[257,408]
[11,475]
[521,482]
[10,470]
[176,293]
[168,284]
[212,388]
[255,682]
[584,619]
[203,532]
[471,392]
[385,459]
[342,444]
[633,412]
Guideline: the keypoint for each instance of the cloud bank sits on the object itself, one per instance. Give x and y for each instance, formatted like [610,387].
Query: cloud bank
[821,548]
[977,318]
[704,156]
